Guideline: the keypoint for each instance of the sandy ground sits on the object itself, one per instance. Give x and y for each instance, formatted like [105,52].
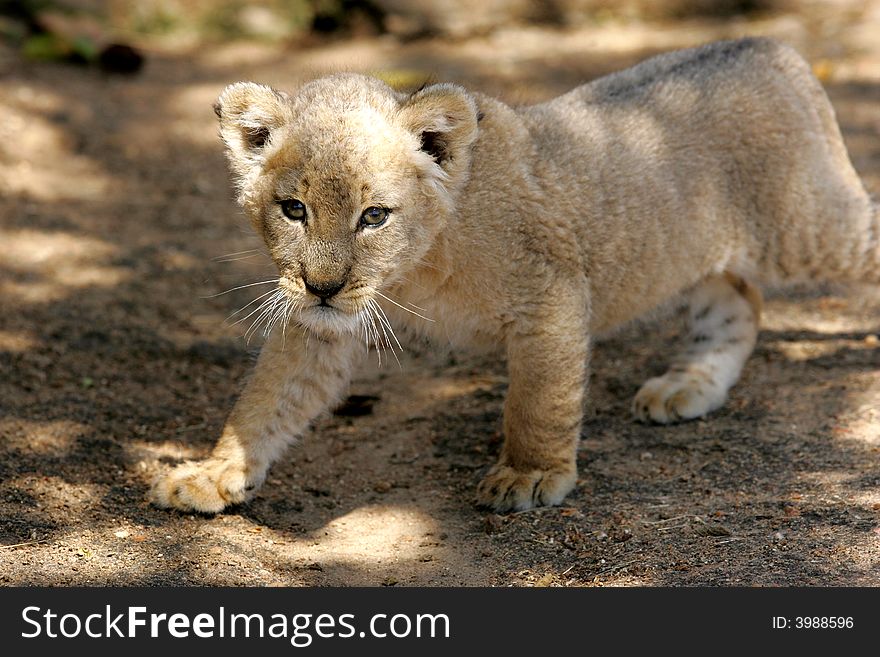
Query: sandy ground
[116,226]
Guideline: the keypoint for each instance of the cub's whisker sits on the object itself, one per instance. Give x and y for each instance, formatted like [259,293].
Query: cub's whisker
[413,312]
[265,310]
[288,313]
[268,308]
[241,287]
[372,305]
[377,342]
[252,301]
[219,258]
[383,318]
[255,310]
[274,311]
[360,317]
[279,313]
[266,318]
[409,303]
[236,259]
[240,255]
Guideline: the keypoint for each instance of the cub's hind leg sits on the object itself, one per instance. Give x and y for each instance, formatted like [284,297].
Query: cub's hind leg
[724,312]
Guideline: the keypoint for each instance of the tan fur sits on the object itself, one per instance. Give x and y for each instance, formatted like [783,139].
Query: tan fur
[704,173]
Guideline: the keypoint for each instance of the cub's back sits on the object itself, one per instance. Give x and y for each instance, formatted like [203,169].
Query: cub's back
[662,166]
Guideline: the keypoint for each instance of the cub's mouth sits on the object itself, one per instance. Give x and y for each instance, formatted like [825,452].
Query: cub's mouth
[325,308]
[329,307]
[324,314]
[326,320]
[353,310]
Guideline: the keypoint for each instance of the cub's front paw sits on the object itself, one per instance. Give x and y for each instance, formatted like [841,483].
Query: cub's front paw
[506,489]
[205,486]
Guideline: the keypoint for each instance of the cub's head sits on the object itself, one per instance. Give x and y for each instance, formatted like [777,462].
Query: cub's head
[348,182]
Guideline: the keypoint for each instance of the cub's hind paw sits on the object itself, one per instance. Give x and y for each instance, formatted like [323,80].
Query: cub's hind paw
[206,486]
[506,489]
[675,397]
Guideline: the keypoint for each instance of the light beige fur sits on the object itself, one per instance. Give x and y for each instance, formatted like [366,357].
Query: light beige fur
[698,174]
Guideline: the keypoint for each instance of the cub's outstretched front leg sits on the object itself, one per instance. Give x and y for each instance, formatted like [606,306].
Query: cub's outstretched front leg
[296,378]
[723,316]
[547,355]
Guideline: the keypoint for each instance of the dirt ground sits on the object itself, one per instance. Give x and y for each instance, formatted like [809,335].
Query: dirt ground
[117,226]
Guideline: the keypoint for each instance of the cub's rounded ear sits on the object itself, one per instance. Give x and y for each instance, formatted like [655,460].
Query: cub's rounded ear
[248,114]
[444,117]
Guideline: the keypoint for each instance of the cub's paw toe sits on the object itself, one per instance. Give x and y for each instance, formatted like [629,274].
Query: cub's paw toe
[506,489]
[206,486]
[674,398]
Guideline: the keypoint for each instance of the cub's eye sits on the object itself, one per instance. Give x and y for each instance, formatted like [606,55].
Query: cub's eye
[374,216]
[293,209]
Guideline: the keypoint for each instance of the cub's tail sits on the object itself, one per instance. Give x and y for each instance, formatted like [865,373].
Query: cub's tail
[869,247]
[842,246]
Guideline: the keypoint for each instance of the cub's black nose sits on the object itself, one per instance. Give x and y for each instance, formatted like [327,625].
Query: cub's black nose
[324,290]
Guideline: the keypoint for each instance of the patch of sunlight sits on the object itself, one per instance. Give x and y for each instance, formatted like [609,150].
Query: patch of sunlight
[862,430]
[53,263]
[196,122]
[55,492]
[37,158]
[850,309]
[430,393]
[860,422]
[47,438]
[240,54]
[610,39]
[443,389]
[364,547]
[799,320]
[367,533]
[35,249]
[143,452]
[351,55]
[174,259]
[16,342]
[831,480]
[868,499]
[43,184]
[804,350]
[629,580]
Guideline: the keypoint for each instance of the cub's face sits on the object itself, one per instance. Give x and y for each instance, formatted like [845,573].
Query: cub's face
[348,183]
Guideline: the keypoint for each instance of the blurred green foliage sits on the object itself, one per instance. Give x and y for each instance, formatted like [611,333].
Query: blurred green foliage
[48,46]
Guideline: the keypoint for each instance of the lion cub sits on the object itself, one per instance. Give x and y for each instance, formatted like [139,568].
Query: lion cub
[698,174]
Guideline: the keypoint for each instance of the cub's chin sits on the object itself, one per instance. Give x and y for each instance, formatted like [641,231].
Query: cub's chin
[328,321]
